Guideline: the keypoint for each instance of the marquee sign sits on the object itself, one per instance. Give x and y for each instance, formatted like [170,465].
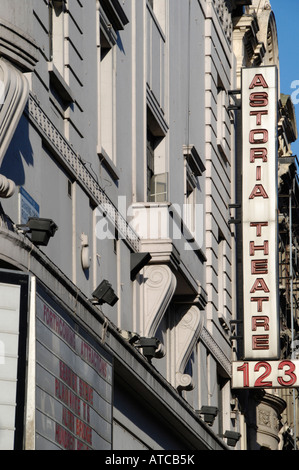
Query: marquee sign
[14,292]
[259,204]
[10,296]
[72,388]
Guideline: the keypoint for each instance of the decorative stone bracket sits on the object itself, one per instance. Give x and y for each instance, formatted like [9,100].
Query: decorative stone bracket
[158,289]
[7,187]
[14,93]
[185,321]
[186,324]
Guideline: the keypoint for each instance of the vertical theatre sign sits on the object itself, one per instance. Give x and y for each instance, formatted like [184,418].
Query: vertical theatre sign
[260,196]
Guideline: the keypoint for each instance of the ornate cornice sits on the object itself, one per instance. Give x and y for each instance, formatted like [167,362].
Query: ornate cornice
[210,343]
[17,46]
[222,9]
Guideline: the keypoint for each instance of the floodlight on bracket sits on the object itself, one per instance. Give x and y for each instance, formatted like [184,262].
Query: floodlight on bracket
[104,294]
[41,230]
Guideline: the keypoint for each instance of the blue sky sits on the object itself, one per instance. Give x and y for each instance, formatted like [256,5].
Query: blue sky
[287,14]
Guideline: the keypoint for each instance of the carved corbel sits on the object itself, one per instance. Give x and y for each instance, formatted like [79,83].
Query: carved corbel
[159,284]
[187,321]
[14,93]
[7,187]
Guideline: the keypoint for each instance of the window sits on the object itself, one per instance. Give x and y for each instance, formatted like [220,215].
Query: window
[150,162]
[222,122]
[56,33]
[159,188]
[159,9]
[107,100]
[190,198]
[111,19]
[194,168]
[221,392]
[221,272]
[62,95]
[220,110]
[69,188]
[157,177]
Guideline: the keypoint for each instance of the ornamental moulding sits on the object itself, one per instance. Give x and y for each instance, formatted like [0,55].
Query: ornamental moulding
[207,339]
[188,323]
[157,291]
[14,92]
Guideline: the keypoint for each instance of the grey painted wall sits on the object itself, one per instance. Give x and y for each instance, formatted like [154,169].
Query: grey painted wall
[171,59]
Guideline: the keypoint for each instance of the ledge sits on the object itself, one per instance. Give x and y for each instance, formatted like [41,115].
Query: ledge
[18,47]
[108,164]
[59,84]
[115,14]
[155,117]
[194,160]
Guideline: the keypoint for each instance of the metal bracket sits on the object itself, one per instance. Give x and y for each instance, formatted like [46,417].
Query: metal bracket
[232,220]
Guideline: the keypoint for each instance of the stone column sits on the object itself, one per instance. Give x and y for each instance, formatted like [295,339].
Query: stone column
[263,419]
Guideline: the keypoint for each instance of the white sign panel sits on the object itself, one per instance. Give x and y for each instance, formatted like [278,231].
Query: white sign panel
[265,374]
[9,347]
[73,384]
[259,205]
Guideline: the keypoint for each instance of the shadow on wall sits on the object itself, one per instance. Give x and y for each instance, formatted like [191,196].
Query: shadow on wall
[18,154]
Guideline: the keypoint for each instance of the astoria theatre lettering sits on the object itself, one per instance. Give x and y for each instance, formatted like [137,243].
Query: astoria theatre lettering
[260,249]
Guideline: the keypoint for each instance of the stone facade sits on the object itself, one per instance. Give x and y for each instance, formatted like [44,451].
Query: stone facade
[118,124]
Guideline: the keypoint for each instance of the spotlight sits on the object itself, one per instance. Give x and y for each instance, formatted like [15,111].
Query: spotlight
[41,230]
[104,294]
[210,413]
[232,438]
[151,347]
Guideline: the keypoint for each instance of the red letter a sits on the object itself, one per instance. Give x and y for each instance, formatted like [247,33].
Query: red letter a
[258,81]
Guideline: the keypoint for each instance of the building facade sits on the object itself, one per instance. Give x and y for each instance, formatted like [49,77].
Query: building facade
[119,242]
